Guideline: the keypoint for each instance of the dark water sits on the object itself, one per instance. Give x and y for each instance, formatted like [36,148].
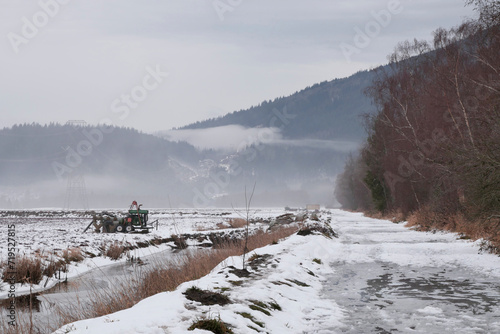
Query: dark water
[42,308]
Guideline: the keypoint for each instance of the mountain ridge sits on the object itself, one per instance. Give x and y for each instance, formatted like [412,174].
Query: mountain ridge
[327,110]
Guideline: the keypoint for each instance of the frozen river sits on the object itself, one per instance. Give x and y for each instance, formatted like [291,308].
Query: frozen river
[389,279]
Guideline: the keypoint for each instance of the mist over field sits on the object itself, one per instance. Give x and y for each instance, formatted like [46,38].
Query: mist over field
[59,166]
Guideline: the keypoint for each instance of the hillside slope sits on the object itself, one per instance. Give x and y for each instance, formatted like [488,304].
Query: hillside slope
[330,110]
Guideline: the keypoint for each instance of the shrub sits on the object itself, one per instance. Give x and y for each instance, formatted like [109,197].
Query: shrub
[54,267]
[179,241]
[378,191]
[213,325]
[250,317]
[72,255]
[206,297]
[316,228]
[27,270]
[115,251]
[237,222]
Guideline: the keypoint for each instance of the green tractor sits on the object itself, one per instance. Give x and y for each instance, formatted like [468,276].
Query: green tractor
[136,220]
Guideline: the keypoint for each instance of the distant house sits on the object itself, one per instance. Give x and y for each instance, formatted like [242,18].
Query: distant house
[312,207]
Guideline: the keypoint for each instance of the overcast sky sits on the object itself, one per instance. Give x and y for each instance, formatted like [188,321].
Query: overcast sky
[107,60]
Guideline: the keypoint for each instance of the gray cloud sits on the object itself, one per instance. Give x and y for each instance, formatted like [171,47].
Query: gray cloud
[91,52]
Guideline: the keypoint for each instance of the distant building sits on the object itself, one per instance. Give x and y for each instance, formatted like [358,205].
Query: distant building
[312,207]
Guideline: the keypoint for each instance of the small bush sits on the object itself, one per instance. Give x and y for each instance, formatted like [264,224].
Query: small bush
[256,307]
[213,325]
[274,305]
[54,267]
[206,297]
[250,317]
[115,251]
[318,228]
[26,270]
[254,256]
[237,222]
[316,260]
[72,255]
[179,241]
[299,283]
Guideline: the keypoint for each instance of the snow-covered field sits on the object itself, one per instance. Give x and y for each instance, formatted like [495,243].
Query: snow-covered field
[47,233]
[377,277]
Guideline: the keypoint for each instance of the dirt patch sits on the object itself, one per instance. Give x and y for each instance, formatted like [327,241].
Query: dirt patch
[206,297]
[319,228]
[260,260]
[239,272]
[212,325]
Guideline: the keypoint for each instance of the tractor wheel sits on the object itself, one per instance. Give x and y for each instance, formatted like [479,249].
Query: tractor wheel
[119,228]
[129,228]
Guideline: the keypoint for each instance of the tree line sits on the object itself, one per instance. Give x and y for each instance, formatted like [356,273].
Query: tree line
[433,147]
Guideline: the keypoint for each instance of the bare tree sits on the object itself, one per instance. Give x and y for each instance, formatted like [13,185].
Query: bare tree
[248,202]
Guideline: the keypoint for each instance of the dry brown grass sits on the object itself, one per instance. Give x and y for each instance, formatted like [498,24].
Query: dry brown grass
[27,270]
[237,222]
[72,255]
[179,241]
[115,250]
[231,223]
[24,325]
[395,216]
[166,277]
[194,266]
[125,294]
[55,266]
[426,219]
[31,269]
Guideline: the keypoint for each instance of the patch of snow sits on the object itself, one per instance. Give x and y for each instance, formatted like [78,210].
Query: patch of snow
[430,310]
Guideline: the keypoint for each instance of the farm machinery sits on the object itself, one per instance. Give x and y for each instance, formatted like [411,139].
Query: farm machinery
[135,220]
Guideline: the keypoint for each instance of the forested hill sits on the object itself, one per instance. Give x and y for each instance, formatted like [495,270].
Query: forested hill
[34,152]
[328,110]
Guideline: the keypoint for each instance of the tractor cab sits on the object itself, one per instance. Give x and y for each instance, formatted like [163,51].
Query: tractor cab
[137,217]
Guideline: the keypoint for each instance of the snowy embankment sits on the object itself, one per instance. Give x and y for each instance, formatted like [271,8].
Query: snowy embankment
[364,281]
[288,274]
